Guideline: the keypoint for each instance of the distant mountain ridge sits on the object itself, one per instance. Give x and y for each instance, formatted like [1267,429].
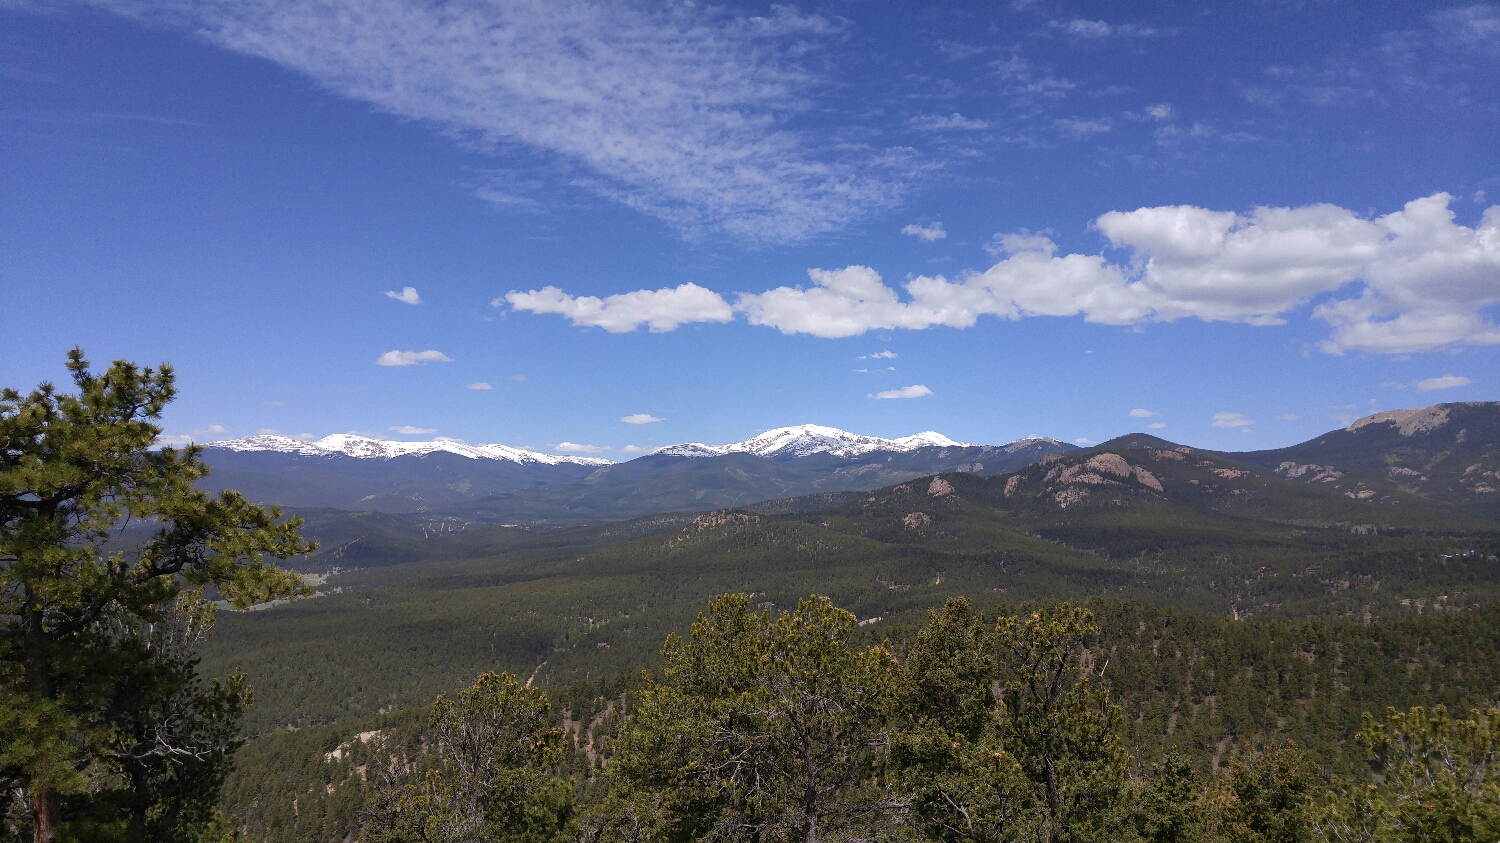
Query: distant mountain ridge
[364,447]
[1446,453]
[499,484]
[807,439]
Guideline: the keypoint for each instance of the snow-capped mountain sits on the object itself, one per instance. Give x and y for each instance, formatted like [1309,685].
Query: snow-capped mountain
[364,447]
[807,439]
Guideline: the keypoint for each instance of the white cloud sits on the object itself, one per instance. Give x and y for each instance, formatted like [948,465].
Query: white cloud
[926,233]
[842,303]
[1079,129]
[636,449]
[478,385]
[197,434]
[407,295]
[408,430]
[1084,442]
[1444,382]
[1142,414]
[1022,82]
[1421,282]
[1157,425]
[1227,419]
[1097,30]
[518,377]
[575,448]
[641,418]
[913,391]
[1160,111]
[411,358]
[181,440]
[662,310]
[676,110]
[1408,281]
[879,355]
[952,121]
[1476,26]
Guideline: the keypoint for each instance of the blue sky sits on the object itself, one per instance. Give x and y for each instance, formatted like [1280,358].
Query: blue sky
[1246,222]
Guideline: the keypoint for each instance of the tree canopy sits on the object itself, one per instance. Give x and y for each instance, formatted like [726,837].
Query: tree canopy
[106,547]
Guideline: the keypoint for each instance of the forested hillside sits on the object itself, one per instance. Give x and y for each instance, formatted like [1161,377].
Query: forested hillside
[1237,609]
[1212,689]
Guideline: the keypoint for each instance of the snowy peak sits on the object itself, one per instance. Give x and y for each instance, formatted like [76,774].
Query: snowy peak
[363,447]
[267,442]
[807,439]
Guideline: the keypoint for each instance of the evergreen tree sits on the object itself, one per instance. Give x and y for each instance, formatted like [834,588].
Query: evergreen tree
[494,747]
[761,729]
[1266,798]
[1440,781]
[1007,737]
[105,731]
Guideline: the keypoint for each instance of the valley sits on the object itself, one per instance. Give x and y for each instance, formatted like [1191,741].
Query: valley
[1247,561]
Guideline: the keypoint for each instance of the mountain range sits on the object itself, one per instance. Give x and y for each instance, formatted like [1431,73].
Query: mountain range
[421,608]
[1445,455]
[499,484]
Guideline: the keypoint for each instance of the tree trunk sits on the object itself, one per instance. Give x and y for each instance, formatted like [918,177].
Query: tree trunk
[46,802]
[46,806]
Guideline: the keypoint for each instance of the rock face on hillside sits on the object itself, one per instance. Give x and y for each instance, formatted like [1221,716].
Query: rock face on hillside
[1448,453]
[1071,481]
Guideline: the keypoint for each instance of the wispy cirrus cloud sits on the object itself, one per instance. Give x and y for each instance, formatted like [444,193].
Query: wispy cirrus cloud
[641,418]
[1228,419]
[1098,30]
[1080,129]
[675,110]
[926,233]
[935,123]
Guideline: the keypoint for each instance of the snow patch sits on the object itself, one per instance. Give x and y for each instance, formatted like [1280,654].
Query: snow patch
[807,439]
[363,447]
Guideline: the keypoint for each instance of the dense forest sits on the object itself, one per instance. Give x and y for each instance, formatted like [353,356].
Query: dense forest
[1112,722]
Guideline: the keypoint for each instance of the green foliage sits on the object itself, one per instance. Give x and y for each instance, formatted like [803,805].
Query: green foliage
[1040,760]
[494,747]
[1265,797]
[759,729]
[1169,804]
[105,731]
[1440,781]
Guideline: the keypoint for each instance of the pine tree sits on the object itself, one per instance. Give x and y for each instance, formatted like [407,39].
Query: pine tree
[105,546]
[762,728]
